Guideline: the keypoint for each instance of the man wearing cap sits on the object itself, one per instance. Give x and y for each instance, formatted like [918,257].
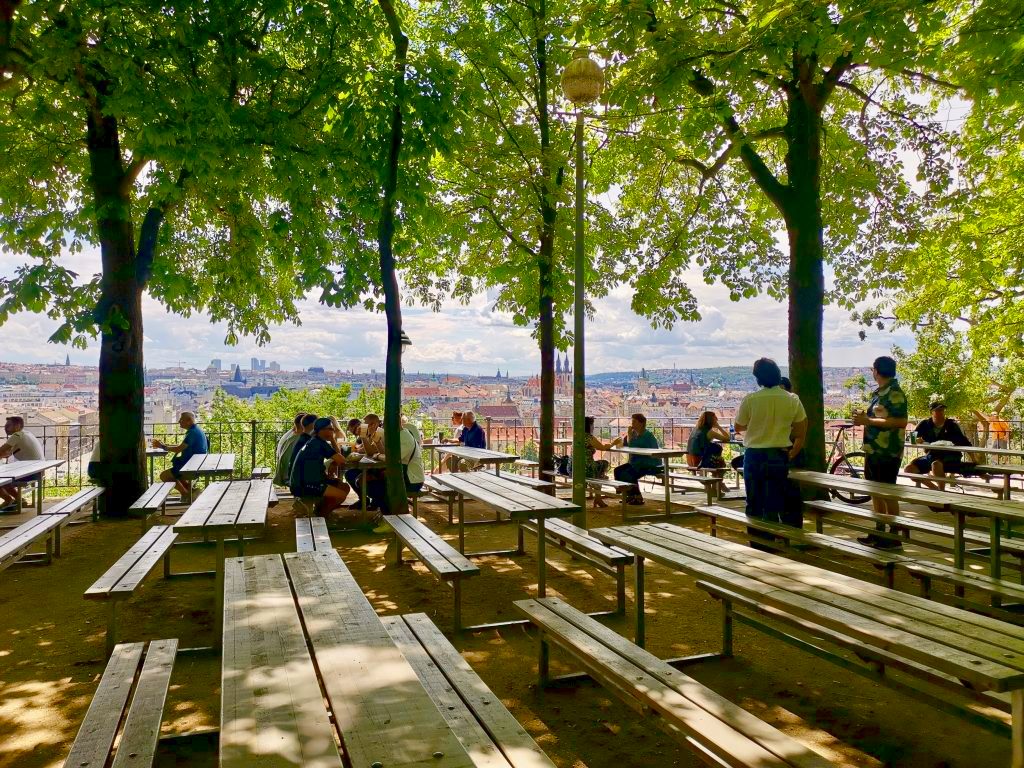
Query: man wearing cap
[939,429]
[309,476]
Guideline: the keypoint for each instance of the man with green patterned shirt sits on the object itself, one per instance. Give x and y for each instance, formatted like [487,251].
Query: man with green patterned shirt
[884,434]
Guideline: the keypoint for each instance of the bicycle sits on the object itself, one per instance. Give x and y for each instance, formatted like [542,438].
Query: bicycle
[846,464]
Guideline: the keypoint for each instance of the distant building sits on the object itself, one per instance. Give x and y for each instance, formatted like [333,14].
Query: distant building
[274,366]
[254,363]
[216,364]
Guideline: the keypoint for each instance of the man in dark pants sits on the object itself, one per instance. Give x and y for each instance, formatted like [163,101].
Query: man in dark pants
[775,424]
[638,436]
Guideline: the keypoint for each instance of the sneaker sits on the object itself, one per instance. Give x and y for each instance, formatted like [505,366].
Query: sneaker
[869,541]
[357,504]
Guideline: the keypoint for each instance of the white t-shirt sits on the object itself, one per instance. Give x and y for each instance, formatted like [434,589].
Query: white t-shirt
[769,415]
[412,456]
[25,445]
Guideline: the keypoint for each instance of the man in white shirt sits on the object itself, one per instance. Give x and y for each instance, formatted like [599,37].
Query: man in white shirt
[775,424]
[21,445]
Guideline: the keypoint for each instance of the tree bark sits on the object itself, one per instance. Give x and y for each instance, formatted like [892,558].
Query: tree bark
[804,226]
[119,315]
[398,500]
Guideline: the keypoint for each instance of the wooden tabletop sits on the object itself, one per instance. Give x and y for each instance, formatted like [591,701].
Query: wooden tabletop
[152,452]
[17,470]
[517,500]
[984,651]
[967,449]
[210,464]
[294,623]
[482,455]
[1006,510]
[654,453]
[229,506]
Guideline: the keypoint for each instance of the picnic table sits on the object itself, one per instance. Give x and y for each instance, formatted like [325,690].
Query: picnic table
[364,465]
[518,501]
[1006,470]
[480,455]
[152,454]
[430,445]
[208,465]
[958,503]
[665,454]
[227,509]
[29,471]
[886,628]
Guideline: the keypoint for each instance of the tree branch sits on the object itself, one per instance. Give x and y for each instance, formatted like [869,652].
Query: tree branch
[150,229]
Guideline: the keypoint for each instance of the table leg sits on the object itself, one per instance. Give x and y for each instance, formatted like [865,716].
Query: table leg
[151,460]
[462,524]
[218,603]
[40,488]
[638,599]
[362,491]
[1017,729]
[958,540]
[668,487]
[497,468]
[542,586]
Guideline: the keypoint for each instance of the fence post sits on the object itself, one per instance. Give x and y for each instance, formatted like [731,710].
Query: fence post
[487,429]
[252,451]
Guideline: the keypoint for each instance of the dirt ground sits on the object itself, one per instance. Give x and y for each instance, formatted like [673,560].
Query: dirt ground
[52,655]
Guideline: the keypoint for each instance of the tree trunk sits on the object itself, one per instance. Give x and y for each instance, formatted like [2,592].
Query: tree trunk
[806,266]
[398,500]
[119,314]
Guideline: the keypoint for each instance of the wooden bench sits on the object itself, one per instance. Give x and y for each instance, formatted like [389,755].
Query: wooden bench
[529,465]
[472,711]
[74,506]
[979,539]
[14,544]
[942,482]
[126,575]
[260,473]
[720,732]
[619,488]
[790,536]
[440,558]
[142,675]
[311,535]
[927,572]
[579,543]
[447,495]
[711,486]
[152,502]
[529,482]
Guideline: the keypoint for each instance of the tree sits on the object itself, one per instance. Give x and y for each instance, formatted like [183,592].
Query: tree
[942,368]
[188,146]
[744,118]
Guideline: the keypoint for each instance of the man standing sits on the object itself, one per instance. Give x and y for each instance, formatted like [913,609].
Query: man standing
[638,466]
[21,445]
[775,424]
[884,433]
[193,444]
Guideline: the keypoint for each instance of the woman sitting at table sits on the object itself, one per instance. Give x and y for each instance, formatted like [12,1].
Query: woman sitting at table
[701,450]
[596,468]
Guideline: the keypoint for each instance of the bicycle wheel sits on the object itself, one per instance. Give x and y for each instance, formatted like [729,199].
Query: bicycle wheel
[849,465]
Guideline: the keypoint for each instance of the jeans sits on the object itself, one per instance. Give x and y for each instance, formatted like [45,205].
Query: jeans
[764,475]
[630,473]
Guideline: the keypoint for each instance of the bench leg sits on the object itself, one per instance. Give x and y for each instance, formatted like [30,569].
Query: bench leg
[96,509]
[398,550]
[620,589]
[818,525]
[1017,728]
[714,525]
[543,659]
[49,549]
[167,563]
[415,508]
[451,509]
[926,587]
[727,622]
[890,575]
[56,541]
[111,627]
[638,599]
[462,525]
[457,610]
[521,545]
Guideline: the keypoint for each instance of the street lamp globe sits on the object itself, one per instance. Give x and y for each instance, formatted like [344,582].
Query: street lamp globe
[582,79]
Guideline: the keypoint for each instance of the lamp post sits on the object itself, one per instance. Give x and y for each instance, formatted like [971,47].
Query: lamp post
[582,83]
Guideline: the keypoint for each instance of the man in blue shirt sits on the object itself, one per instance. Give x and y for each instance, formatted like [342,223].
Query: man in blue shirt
[472,436]
[193,444]
[637,466]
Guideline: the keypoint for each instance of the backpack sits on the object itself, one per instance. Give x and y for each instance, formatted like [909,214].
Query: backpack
[563,465]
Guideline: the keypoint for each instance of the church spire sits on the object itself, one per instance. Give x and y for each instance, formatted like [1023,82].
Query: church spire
[558,363]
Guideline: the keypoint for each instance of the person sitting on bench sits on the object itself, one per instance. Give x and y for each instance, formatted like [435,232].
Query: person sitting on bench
[939,429]
[21,445]
[315,469]
[193,444]
[286,449]
[701,449]
[638,466]
[412,470]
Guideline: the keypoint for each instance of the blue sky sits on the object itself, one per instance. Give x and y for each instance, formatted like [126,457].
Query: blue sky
[468,339]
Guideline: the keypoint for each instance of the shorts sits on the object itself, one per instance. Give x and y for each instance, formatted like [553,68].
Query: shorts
[950,463]
[882,469]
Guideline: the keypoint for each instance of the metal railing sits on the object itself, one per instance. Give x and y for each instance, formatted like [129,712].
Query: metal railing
[254,442]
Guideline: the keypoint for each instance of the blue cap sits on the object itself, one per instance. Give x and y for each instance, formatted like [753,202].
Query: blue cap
[322,423]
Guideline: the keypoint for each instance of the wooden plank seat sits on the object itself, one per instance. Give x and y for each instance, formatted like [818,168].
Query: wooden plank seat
[440,558]
[927,572]
[720,732]
[75,505]
[618,487]
[14,544]
[529,465]
[710,485]
[579,543]
[143,675]
[793,540]
[942,482]
[311,535]
[447,495]
[487,730]
[125,576]
[529,482]
[972,537]
[260,473]
[152,502]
